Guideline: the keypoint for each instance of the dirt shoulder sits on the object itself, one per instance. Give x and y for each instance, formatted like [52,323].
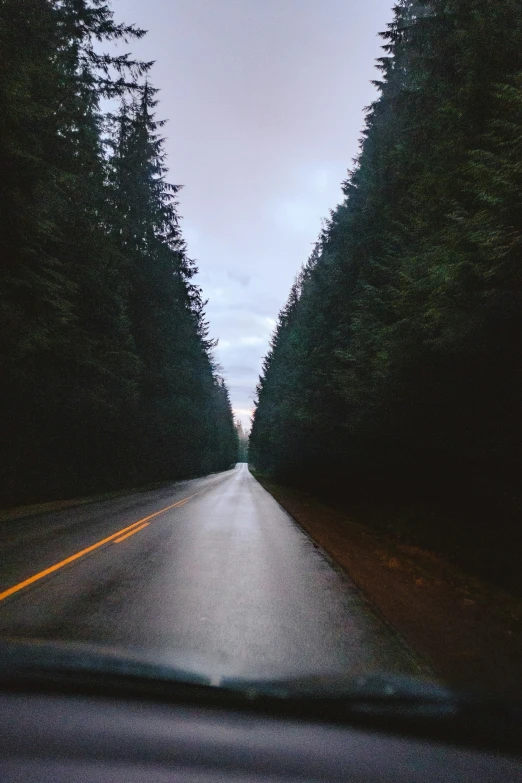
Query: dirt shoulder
[467,630]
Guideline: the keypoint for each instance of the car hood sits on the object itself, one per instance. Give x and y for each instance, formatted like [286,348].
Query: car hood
[40,657]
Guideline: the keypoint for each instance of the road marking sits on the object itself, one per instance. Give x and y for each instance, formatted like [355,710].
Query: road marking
[40,575]
[136,530]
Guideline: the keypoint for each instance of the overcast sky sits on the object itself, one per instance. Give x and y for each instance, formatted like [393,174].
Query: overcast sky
[265,104]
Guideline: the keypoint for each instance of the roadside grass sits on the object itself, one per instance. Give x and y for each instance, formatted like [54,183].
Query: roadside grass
[33,509]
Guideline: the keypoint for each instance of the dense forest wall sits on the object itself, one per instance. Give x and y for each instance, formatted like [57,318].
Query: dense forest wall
[242,438]
[106,370]
[394,374]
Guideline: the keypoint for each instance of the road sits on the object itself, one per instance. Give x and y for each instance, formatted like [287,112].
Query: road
[211,568]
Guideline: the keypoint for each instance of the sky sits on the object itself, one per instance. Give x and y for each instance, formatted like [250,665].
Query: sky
[265,106]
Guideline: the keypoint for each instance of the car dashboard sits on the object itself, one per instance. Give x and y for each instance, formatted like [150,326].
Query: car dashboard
[57,736]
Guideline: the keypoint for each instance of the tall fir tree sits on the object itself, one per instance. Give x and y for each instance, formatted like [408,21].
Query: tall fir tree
[102,352]
[399,368]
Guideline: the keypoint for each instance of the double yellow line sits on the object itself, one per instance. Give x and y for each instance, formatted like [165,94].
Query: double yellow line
[116,538]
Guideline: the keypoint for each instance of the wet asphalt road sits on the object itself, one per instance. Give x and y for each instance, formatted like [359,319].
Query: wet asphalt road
[225,577]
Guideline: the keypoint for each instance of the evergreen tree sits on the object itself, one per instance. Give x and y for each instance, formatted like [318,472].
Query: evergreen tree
[106,367]
[242,438]
[395,363]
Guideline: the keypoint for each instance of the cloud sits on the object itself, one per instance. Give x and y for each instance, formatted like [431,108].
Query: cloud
[252,340]
[239,277]
[240,371]
[265,106]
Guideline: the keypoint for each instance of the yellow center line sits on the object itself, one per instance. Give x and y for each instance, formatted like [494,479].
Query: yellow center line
[136,530]
[40,575]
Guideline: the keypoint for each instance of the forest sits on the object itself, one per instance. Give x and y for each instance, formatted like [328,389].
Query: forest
[107,372]
[394,376]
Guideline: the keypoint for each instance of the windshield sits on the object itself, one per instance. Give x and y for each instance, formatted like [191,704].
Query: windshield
[260,329]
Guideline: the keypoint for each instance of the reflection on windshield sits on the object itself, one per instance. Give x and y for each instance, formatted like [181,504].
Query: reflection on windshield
[328,494]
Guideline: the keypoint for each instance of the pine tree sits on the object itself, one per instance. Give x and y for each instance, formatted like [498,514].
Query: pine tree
[105,360]
[176,417]
[399,366]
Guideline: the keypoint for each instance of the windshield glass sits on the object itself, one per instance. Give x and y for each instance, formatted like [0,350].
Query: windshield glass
[267,426]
